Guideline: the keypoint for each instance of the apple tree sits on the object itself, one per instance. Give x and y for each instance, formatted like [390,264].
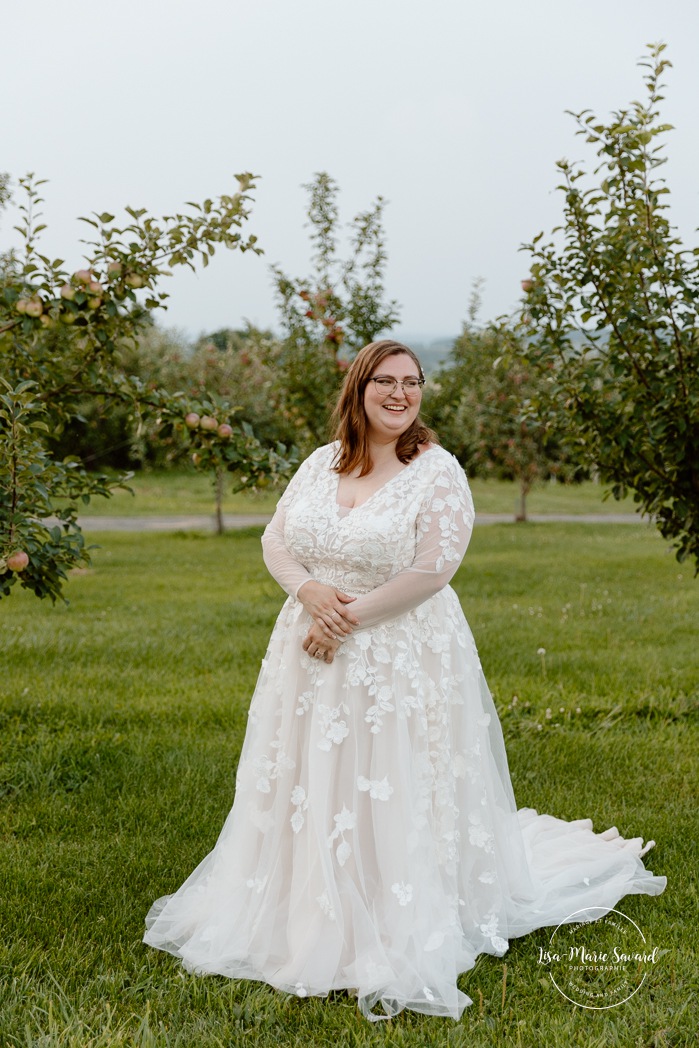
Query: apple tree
[612,305]
[220,443]
[243,366]
[60,334]
[328,316]
[479,403]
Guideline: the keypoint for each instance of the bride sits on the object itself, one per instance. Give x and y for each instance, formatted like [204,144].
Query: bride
[374,844]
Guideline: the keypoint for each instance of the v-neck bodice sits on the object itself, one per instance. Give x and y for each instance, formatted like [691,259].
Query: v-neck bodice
[351,509]
[356,548]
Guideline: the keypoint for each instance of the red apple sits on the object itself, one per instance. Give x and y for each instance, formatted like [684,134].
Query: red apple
[95,302]
[134,280]
[225,431]
[67,292]
[527,285]
[34,307]
[95,288]
[17,561]
[191,420]
[83,276]
[208,423]
[114,270]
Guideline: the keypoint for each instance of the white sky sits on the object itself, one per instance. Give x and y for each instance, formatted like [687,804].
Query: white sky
[452,110]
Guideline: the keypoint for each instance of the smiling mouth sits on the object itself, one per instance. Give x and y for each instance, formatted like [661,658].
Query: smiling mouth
[395,408]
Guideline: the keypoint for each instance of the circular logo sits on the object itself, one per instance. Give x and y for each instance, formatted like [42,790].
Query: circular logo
[598,958]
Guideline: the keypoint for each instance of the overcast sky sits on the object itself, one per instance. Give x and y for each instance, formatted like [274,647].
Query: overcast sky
[452,110]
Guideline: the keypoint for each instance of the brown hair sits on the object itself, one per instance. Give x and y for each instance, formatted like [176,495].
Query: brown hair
[349,416]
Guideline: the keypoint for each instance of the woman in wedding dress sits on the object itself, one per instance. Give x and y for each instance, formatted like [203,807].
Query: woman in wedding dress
[374,844]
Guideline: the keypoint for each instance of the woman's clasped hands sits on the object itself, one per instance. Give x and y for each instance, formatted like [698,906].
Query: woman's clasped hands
[332,619]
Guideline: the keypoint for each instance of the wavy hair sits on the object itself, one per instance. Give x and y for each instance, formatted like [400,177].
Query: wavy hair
[349,416]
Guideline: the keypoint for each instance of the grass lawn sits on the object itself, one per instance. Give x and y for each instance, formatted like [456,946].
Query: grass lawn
[122,717]
[189,492]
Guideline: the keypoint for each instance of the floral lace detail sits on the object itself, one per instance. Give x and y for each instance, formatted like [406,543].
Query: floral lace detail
[489,930]
[326,906]
[332,728]
[300,801]
[378,789]
[383,705]
[403,892]
[478,835]
[346,820]
[258,883]
[267,769]
[304,703]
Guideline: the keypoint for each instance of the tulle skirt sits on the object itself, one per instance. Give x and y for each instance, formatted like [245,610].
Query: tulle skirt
[374,844]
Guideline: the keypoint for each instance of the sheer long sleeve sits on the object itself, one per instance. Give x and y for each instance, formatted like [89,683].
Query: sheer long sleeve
[444,526]
[280,563]
[282,566]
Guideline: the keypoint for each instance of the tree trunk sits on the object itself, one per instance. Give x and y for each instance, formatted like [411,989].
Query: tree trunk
[218,486]
[524,486]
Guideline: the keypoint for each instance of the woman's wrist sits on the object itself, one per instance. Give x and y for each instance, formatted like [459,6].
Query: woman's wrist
[300,587]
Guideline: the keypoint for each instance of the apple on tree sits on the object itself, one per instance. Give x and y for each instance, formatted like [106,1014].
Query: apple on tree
[33,307]
[17,561]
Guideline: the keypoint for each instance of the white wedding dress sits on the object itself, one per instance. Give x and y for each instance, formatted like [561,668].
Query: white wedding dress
[374,843]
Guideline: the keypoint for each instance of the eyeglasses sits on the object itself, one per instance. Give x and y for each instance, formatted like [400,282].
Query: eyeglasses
[385,385]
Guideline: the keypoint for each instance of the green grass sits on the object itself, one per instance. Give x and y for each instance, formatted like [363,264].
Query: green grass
[171,492]
[122,717]
[502,496]
[188,492]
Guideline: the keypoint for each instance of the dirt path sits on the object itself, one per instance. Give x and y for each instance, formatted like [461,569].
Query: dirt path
[232,521]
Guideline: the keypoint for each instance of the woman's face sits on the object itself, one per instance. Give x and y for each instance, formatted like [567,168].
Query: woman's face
[389,415]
